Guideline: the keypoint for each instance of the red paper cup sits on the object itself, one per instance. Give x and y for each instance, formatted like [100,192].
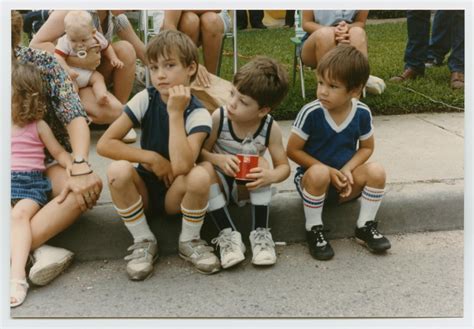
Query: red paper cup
[247,162]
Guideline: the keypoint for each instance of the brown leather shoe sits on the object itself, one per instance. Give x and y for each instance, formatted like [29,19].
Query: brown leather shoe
[408,74]
[457,80]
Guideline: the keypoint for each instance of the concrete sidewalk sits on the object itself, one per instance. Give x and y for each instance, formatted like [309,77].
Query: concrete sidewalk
[424,158]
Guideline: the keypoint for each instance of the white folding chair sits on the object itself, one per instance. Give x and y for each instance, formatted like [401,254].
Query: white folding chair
[299,34]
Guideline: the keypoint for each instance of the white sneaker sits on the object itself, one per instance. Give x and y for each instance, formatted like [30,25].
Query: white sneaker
[144,255]
[375,85]
[130,137]
[49,262]
[263,247]
[231,247]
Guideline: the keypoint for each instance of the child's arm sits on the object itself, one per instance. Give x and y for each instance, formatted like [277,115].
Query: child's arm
[110,145]
[228,163]
[281,167]
[55,149]
[295,151]
[109,52]
[62,61]
[183,150]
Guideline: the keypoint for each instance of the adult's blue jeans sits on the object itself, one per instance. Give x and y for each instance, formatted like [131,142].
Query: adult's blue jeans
[416,51]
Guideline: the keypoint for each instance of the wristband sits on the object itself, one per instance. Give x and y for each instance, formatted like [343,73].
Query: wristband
[81,174]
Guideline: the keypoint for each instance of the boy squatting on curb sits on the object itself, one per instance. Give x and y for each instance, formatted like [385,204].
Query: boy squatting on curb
[324,142]
[259,87]
[166,179]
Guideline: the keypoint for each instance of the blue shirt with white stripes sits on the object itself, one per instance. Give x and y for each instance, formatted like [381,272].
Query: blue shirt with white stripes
[148,110]
[332,144]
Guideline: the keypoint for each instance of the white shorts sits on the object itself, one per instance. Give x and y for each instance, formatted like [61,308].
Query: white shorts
[84,76]
[159,16]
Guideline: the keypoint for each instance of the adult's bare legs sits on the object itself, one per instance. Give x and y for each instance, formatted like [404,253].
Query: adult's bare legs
[190,24]
[212,30]
[54,218]
[122,78]
[358,39]
[318,44]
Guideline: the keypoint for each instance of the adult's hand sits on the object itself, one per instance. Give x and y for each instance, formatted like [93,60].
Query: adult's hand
[86,189]
[203,77]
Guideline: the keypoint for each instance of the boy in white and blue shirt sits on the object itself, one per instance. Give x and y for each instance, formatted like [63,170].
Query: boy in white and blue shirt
[332,138]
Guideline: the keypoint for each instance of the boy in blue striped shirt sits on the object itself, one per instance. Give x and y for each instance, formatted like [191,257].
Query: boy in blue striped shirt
[332,139]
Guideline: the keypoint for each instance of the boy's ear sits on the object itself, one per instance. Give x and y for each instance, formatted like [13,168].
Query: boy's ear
[356,92]
[192,69]
[263,111]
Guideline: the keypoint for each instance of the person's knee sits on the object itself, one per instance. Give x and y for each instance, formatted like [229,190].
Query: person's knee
[357,34]
[19,215]
[318,175]
[125,52]
[119,174]
[324,36]
[198,181]
[209,167]
[189,22]
[376,173]
[211,23]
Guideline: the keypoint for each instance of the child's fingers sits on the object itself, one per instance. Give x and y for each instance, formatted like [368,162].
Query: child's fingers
[253,185]
[62,196]
[233,166]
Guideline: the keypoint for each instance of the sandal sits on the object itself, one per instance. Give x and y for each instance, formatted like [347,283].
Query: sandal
[18,290]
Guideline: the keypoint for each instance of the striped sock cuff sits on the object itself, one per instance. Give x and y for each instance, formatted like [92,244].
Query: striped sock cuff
[312,201]
[373,194]
[194,216]
[132,213]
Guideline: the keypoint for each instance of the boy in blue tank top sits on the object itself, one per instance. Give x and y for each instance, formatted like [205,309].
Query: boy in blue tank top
[332,138]
[174,126]
[258,87]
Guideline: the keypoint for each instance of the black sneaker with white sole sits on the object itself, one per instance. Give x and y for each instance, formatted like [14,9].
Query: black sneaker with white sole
[319,246]
[369,236]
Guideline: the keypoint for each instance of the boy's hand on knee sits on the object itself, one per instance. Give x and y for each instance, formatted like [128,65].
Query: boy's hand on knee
[178,100]
[161,167]
[338,180]
[347,172]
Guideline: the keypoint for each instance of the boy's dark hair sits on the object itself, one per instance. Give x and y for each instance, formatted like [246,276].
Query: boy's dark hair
[264,79]
[171,42]
[346,64]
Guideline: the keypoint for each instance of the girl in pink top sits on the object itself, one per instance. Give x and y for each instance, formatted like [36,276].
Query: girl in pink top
[29,186]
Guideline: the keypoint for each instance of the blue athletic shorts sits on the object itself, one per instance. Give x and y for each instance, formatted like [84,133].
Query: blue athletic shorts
[156,191]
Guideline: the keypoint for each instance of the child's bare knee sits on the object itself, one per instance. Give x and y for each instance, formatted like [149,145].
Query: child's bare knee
[318,175]
[198,181]
[119,172]
[376,173]
[324,34]
[19,215]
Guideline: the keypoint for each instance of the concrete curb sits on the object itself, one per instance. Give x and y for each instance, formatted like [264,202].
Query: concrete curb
[407,208]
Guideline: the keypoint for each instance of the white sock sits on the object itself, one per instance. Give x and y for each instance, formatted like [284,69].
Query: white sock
[192,223]
[370,203]
[135,221]
[313,209]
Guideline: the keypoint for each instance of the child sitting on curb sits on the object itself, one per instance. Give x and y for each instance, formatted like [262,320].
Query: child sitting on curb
[79,38]
[174,126]
[30,188]
[324,142]
[259,86]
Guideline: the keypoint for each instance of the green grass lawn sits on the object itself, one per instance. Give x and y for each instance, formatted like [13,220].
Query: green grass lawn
[386,49]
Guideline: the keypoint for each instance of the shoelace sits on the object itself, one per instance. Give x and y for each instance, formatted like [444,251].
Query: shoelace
[320,239]
[224,241]
[372,227]
[140,250]
[263,238]
[200,247]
